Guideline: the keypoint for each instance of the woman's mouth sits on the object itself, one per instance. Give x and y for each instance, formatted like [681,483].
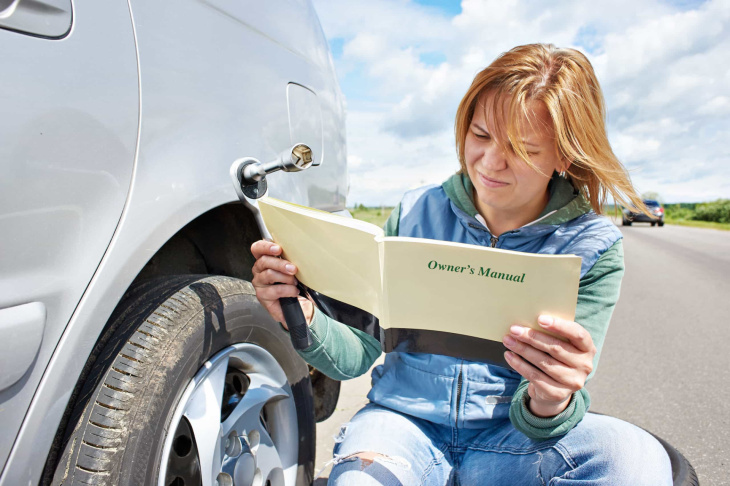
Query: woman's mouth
[489,182]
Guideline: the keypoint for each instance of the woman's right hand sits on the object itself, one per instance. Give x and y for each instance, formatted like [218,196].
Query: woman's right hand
[273,278]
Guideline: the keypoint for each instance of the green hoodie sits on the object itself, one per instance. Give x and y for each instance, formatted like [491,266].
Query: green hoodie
[343,352]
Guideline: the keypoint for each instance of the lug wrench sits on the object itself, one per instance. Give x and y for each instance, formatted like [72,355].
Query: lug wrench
[249,177]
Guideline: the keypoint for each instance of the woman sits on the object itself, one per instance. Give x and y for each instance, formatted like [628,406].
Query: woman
[536,169]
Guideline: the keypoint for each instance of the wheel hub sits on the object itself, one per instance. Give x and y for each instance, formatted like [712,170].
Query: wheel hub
[237,414]
[239,463]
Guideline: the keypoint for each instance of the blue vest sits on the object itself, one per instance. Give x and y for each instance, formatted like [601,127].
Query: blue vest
[452,391]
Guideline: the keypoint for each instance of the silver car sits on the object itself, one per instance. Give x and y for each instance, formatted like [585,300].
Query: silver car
[132,348]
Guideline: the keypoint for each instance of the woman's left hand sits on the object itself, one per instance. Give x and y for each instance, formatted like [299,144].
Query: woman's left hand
[555,369]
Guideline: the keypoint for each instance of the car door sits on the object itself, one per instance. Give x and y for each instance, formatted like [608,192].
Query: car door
[69,111]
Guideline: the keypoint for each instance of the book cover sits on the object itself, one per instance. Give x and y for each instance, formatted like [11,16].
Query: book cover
[420,295]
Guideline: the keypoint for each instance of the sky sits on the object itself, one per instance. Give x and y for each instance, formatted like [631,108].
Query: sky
[403,66]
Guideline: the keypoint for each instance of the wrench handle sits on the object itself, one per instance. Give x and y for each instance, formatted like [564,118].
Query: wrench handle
[296,322]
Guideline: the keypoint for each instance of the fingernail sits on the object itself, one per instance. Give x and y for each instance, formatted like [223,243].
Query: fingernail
[508,340]
[545,320]
[290,268]
[517,330]
[508,356]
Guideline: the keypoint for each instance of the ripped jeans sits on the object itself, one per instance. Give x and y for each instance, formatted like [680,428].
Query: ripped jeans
[600,450]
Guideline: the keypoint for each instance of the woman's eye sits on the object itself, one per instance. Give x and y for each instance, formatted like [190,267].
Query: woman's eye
[481,136]
[529,154]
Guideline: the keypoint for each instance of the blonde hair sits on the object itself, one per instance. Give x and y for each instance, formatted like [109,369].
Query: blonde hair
[562,79]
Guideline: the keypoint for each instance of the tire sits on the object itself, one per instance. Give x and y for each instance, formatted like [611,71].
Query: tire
[683,474]
[196,380]
[653,223]
[660,223]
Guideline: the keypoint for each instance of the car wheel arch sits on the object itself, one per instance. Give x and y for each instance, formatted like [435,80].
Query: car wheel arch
[216,242]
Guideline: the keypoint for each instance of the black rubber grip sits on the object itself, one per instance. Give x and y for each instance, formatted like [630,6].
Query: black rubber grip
[296,322]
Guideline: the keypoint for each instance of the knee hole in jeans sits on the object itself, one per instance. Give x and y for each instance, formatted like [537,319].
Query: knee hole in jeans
[367,458]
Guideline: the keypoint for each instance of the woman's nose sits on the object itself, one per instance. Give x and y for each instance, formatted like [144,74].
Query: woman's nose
[494,158]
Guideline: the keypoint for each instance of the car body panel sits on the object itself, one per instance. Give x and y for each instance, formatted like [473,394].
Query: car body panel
[67,154]
[643,218]
[237,98]
[213,90]
[22,328]
[305,120]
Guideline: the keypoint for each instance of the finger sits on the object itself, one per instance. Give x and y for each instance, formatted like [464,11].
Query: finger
[574,332]
[267,262]
[565,376]
[560,350]
[546,388]
[269,293]
[272,277]
[274,308]
[264,247]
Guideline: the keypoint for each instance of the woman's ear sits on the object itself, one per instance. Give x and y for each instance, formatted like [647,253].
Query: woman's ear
[563,166]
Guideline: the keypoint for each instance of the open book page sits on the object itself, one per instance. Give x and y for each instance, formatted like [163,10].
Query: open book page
[474,291]
[335,255]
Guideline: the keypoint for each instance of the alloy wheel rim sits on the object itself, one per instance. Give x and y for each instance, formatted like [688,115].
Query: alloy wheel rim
[235,424]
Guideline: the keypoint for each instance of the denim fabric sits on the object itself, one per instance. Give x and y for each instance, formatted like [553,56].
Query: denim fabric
[600,450]
[427,386]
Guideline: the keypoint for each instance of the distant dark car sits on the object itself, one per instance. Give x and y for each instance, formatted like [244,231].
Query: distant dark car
[655,209]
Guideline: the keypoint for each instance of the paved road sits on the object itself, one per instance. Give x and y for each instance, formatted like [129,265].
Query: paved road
[666,361]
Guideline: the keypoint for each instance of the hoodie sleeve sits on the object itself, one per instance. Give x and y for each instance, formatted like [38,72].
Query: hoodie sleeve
[391,225]
[598,293]
[338,350]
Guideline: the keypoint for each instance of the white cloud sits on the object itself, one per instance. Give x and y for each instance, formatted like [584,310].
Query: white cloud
[664,73]
[366,47]
[386,165]
[717,106]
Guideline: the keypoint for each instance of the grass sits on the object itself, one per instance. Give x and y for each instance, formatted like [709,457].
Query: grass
[376,216]
[698,224]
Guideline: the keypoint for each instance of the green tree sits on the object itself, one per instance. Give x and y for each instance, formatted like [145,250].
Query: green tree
[717,211]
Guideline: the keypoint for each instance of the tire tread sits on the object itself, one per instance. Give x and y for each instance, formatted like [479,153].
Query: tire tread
[98,439]
[147,320]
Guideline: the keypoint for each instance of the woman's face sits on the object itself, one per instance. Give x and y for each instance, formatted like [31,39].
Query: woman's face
[505,186]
